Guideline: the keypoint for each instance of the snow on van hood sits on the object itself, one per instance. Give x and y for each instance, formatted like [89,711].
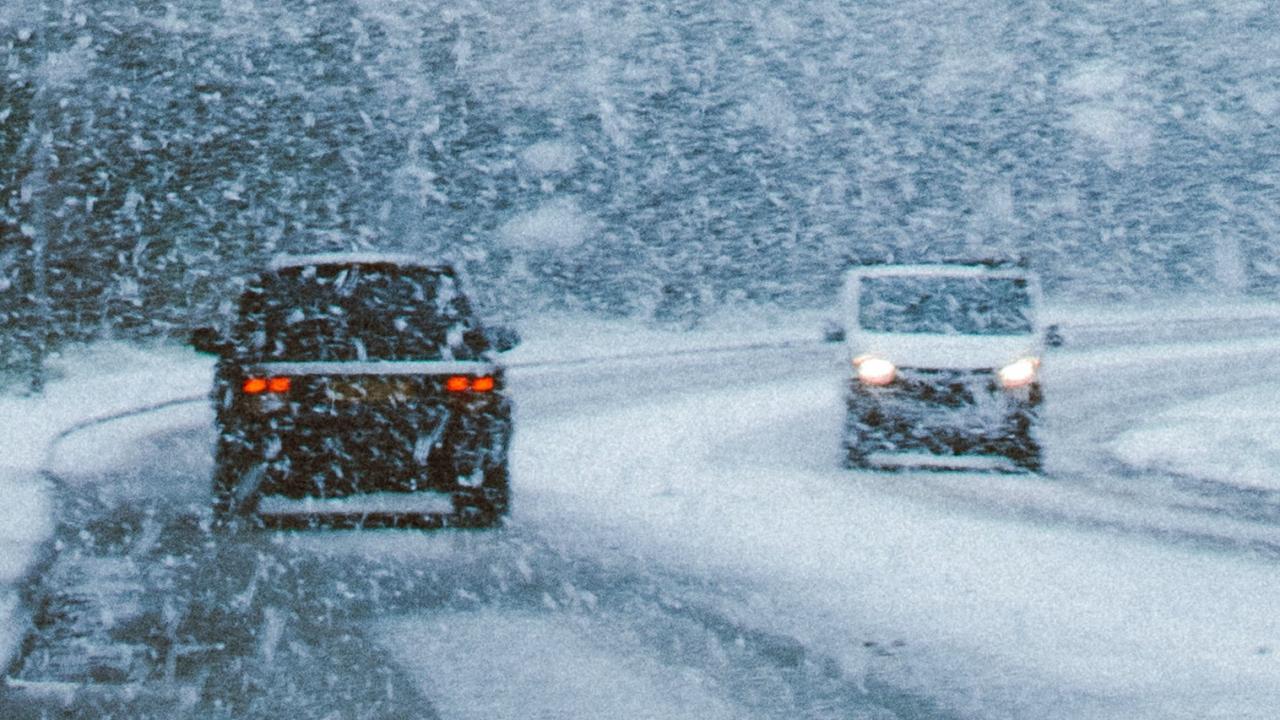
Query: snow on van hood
[951,352]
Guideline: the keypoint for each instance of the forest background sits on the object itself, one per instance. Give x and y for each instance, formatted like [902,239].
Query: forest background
[652,159]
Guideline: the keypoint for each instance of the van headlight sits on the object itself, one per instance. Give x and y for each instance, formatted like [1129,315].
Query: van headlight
[1019,373]
[874,370]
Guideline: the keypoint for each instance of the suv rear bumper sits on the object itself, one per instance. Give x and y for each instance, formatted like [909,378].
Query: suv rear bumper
[323,457]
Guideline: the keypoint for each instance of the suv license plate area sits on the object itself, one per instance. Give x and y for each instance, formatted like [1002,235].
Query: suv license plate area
[370,390]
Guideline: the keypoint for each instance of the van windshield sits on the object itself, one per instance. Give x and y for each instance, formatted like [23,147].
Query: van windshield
[354,313]
[945,305]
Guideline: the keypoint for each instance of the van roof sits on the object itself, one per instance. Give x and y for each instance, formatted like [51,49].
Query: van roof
[941,270]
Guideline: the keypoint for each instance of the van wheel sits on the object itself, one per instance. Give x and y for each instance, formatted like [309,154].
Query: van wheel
[856,452]
[858,444]
[1027,453]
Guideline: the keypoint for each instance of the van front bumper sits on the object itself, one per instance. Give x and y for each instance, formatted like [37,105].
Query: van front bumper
[942,412]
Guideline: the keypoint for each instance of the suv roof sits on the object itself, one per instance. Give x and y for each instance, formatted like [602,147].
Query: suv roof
[281,262]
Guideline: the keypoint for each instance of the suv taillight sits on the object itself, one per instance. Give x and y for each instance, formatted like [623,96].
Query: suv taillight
[464,383]
[257,385]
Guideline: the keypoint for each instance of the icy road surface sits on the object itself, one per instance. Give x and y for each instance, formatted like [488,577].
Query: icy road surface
[684,544]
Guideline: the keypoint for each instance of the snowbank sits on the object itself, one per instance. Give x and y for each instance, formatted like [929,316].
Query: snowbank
[1157,310]
[1232,438]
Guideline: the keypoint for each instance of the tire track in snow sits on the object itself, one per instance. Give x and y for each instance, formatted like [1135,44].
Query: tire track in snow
[144,612]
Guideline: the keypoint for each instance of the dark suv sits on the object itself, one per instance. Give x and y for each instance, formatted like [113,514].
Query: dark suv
[363,388]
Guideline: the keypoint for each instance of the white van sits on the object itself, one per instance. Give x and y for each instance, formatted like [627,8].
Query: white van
[944,363]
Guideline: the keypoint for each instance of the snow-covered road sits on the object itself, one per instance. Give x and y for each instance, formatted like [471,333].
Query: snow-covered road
[685,542]
[1091,592]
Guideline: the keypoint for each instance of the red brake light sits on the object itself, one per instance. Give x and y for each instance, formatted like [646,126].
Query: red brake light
[279,384]
[254,385]
[463,383]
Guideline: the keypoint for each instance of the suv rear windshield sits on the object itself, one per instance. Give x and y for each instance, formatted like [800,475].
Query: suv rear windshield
[356,312]
[942,305]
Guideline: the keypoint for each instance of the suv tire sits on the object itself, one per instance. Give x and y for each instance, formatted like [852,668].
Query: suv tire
[486,505]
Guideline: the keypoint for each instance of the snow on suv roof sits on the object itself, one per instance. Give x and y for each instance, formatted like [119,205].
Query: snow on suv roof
[281,262]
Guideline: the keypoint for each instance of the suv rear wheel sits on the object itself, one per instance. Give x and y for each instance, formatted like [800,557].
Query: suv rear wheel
[230,483]
[484,506]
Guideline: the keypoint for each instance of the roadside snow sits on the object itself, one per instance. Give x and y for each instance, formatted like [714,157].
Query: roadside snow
[1232,438]
[84,383]
[24,525]
[1153,312]
[564,339]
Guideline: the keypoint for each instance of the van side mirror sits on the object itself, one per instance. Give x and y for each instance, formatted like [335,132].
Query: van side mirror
[832,332]
[502,337]
[209,341]
[1053,336]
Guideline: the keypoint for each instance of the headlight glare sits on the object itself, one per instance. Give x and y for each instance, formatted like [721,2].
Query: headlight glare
[1019,373]
[875,370]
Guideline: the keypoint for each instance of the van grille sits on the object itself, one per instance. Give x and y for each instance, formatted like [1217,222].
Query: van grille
[947,388]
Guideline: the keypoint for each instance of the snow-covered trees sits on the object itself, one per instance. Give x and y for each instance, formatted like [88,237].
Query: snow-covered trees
[646,158]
